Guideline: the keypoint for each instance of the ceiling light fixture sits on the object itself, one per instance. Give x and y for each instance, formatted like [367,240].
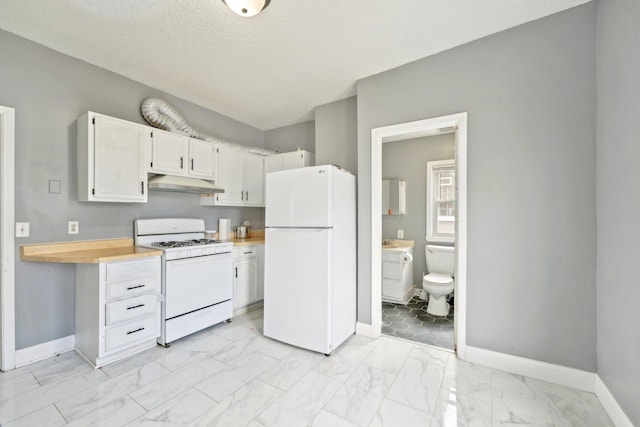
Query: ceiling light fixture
[247,8]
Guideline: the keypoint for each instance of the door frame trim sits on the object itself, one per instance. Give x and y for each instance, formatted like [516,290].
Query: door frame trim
[7,239]
[410,130]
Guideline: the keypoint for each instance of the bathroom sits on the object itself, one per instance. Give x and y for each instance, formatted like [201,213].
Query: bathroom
[406,165]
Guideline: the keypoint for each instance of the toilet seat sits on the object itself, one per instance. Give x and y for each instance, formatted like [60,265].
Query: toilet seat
[438,279]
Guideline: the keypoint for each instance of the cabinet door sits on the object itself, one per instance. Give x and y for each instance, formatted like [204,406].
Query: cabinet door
[230,175]
[202,159]
[169,153]
[293,160]
[245,282]
[120,173]
[273,163]
[254,180]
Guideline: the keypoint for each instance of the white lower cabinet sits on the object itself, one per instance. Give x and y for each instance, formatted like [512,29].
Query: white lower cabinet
[117,308]
[248,276]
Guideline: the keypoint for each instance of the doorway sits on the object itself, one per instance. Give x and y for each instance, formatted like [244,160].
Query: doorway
[411,130]
[7,262]
[425,168]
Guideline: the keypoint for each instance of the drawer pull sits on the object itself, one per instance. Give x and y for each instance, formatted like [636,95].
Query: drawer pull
[134,331]
[248,252]
[135,287]
[135,306]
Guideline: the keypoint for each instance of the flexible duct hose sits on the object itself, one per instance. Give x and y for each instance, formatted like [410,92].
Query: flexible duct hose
[160,114]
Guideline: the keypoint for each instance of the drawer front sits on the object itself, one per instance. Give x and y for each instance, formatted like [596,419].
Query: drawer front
[244,252]
[132,333]
[130,308]
[129,270]
[132,288]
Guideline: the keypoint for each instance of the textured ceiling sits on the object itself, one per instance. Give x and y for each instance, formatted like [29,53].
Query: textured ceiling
[270,70]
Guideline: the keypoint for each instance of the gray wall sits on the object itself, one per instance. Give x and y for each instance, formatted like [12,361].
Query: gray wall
[618,186]
[530,95]
[49,91]
[290,138]
[407,160]
[337,133]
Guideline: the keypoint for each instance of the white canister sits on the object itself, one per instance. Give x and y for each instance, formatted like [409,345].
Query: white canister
[224,229]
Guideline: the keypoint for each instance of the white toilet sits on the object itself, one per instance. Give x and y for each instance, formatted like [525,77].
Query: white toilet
[439,282]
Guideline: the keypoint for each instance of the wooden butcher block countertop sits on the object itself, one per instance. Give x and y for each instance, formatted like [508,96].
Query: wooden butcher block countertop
[86,251]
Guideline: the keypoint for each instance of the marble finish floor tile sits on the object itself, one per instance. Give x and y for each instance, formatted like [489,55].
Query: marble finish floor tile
[241,407]
[45,417]
[359,397]
[40,397]
[15,386]
[230,375]
[389,354]
[178,411]
[116,413]
[418,384]
[289,370]
[393,413]
[301,403]
[231,378]
[78,405]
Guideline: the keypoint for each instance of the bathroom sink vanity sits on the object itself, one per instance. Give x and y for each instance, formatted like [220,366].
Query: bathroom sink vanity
[397,271]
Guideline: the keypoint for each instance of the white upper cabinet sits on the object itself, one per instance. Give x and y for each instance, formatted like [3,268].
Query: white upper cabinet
[203,159]
[253,179]
[169,153]
[112,166]
[285,161]
[175,154]
[241,174]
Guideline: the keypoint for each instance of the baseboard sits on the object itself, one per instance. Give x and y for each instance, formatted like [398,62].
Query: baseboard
[610,404]
[570,377]
[45,350]
[365,330]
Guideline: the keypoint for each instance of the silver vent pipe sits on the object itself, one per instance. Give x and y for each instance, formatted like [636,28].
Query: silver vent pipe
[160,114]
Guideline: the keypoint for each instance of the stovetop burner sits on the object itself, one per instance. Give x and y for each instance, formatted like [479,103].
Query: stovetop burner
[185,243]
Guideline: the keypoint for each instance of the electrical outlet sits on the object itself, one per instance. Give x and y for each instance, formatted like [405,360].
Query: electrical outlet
[22,229]
[74,227]
[400,234]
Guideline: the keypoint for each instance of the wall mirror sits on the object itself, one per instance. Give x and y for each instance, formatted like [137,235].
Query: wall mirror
[393,196]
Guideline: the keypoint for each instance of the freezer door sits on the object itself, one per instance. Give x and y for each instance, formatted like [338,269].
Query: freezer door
[297,293]
[299,198]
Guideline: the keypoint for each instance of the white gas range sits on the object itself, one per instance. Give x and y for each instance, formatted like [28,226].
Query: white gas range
[197,275]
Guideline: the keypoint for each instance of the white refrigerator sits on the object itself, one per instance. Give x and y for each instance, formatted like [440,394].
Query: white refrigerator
[310,257]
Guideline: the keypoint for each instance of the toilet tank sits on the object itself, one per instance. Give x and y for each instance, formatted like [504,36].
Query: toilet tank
[440,259]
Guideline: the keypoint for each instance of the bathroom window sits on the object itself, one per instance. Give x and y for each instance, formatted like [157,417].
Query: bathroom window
[441,201]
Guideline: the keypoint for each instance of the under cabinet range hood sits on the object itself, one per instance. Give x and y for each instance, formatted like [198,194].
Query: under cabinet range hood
[182,184]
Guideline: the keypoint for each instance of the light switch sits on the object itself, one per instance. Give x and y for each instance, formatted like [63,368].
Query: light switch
[22,229]
[54,186]
[400,234]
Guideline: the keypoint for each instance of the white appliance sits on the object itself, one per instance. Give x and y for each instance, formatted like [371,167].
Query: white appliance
[310,257]
[197,275]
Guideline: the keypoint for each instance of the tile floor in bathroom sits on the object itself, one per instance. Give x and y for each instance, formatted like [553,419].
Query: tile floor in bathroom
[412,322]
[231,375]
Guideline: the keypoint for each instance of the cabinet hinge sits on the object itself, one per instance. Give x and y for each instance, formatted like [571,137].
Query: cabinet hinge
[93,120]
[93,191]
